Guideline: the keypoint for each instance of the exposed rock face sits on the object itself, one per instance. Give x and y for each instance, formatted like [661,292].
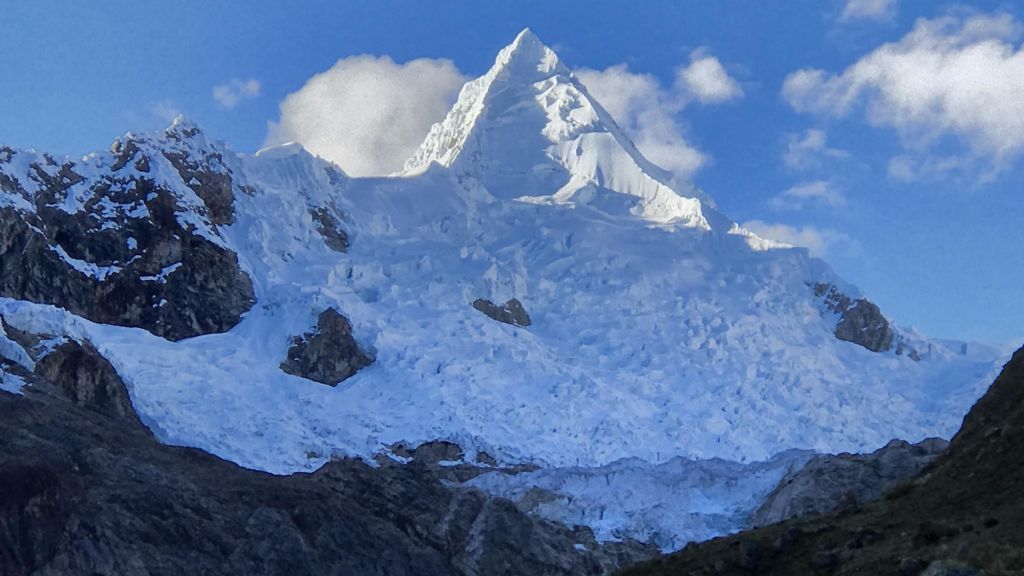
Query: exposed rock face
[511,312]
[431,453]
[447,461]
[133,242]
[860,320]
[828,481]
[87,379]
[963,515]
[327,225]
[328,355]
[84,493]
[69,369]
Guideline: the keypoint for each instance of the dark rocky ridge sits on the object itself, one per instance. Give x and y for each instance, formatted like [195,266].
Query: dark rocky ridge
[328,355]
[84,377]
[511,312]
[85,491]
[447,461]
[829,481]
[860,320]
[962,515]
[69,369]
[328,226]
[135,227]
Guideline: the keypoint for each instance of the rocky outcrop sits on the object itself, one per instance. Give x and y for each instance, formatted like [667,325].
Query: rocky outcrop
[86,378]
[328,355]
[126,244]
[327,225]
[511,312]
[433,453]
[67,368]
[447,461]
[860,320]
[84,493]
[828,482]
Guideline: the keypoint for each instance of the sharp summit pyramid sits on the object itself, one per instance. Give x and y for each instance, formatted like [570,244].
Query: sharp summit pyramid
[529,121]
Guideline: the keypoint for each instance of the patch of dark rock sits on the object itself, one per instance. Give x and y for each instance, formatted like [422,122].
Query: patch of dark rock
[511,312]
[904,348]
[27,340]
[124,152]
[860,320]
[486,459]
[87,379]
[209,180]
[825,560]
[863,537]
[930,533]
[328,226]
[437,451]
[328,355]
[910,567]
[72,370]
[946,568]
[787,539]
[749,554]
[447,461]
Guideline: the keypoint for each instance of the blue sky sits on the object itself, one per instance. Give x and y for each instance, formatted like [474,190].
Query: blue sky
[895,154]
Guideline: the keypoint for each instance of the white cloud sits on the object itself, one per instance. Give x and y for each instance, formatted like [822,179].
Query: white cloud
[648,111]
[909,168]
[817,240]
[818,191]
[366,113]
[706,80]
[234,91]
[951,76]
[164,111]
[868,10]
[807,150]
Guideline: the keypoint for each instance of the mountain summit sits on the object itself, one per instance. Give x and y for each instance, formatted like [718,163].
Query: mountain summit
[528,129]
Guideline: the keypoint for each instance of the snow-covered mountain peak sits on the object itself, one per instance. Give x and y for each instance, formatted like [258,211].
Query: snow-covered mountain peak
[529,130]
[528,59]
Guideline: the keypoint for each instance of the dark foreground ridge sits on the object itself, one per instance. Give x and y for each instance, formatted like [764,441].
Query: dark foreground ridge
[964,515]
[85,489]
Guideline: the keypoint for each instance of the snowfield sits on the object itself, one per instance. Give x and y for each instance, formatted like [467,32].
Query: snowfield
[661,330]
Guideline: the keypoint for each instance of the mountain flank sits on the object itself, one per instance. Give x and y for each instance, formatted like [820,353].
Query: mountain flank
[963,515]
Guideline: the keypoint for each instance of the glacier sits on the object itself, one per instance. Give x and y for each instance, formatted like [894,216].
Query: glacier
[662,331]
